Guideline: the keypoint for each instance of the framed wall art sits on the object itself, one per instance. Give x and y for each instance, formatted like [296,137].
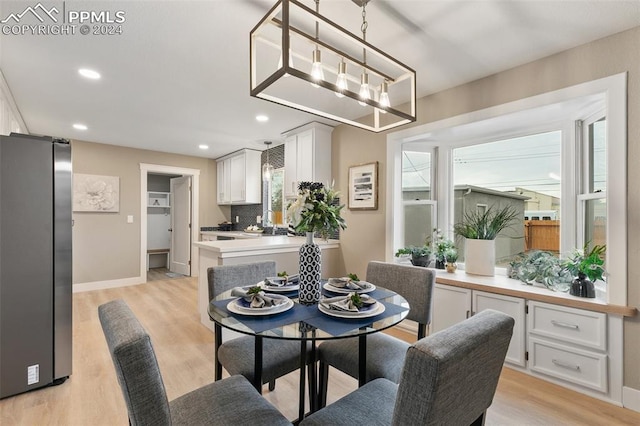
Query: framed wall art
[95,193]
[363,187]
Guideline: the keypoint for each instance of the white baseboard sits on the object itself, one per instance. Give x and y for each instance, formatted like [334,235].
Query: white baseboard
[631,398]
[100,285]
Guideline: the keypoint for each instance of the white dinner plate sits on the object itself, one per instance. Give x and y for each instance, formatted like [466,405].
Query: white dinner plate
[240,306]
[333,289]
[281,289]
[377,309]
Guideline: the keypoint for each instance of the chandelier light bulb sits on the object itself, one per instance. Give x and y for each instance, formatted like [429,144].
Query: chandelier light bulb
[365,93]
[384,97]
[341,81]
[316,69]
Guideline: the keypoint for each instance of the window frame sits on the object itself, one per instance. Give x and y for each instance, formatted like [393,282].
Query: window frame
[611,92]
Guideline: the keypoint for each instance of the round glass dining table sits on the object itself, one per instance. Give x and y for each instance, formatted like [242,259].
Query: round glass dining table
[305,323]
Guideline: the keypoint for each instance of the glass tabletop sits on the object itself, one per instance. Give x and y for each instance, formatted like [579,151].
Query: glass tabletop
[308,322]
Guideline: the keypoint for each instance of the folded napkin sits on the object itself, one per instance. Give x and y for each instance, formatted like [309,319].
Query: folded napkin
[344,303]
[257,300]
[349,284]
[281,281]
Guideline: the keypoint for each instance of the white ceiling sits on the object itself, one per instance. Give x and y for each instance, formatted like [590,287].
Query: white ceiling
[178,76]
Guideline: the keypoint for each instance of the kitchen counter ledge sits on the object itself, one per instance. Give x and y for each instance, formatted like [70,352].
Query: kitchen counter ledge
[253,246]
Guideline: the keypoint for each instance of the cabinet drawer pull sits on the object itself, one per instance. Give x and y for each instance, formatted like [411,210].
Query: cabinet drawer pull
[565,365]
[565,324]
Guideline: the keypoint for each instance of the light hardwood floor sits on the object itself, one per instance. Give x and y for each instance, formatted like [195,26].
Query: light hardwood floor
[168,310]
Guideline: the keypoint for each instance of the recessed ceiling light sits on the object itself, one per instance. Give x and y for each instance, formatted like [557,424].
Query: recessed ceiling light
[79,126]
[87,73]
[203,146]
[262,118]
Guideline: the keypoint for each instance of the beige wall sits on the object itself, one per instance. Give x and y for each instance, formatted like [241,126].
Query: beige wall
[105,246]
[365,238]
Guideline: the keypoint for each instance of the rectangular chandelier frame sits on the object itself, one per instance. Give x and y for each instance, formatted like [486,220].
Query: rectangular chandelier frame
[280,80]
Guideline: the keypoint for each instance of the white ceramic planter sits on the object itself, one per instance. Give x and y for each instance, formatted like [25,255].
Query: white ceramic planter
[480,257]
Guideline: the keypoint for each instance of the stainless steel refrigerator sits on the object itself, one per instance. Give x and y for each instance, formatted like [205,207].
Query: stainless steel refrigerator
[35,262]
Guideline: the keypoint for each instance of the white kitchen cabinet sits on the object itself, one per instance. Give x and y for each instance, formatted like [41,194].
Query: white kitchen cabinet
[452,305]
[224,181]
[307,156]
[514,307]
[569,344]
[239,180]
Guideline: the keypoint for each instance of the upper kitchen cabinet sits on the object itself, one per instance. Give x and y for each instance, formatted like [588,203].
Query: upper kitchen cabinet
[307,156]
[239,179]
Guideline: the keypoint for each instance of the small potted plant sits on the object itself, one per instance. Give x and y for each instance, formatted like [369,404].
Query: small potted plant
[440,247]
[588,266]
[480,229]
[420,256]
[450,259]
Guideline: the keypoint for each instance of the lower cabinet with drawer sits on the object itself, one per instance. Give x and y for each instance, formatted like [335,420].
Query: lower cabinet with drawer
[569,344]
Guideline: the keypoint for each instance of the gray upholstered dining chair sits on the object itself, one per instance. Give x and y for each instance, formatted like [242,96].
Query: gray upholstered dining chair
[237,355]
[448,378]
[385,354]
[228,402]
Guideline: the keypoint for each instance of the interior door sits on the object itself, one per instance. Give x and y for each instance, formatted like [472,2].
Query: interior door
[181,225]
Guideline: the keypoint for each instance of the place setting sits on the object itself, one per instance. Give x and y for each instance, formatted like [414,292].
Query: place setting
[352,284]
[254,301]
[349,284]
[262,310]
[283,283]
[352,305]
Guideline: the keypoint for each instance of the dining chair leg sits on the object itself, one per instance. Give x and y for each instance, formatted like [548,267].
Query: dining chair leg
[323,378]
[362,360]
[218,342]
[422,331]
[272,385]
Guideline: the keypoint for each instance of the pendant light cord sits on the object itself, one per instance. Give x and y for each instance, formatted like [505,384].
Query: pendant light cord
[317,23]
[363,27]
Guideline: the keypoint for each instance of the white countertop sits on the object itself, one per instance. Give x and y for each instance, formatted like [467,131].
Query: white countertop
[278,243]
[232,234]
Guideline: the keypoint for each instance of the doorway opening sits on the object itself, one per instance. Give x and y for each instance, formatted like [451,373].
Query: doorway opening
[169,221]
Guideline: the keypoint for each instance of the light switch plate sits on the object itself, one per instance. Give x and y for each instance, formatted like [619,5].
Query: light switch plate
[130,218]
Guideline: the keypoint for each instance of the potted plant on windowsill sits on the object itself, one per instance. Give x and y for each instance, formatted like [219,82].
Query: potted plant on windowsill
[480,229]
[440,246]
[587,266]
[420,256]
[450,259]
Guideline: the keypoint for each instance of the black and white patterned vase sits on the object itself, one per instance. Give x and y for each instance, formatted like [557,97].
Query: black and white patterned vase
[309,272]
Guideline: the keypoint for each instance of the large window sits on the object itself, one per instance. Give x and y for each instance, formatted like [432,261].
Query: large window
[592,200]
[559,156]
[418,205]
[523,173]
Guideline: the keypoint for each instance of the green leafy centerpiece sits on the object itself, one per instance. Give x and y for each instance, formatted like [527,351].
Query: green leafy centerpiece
[315,210]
